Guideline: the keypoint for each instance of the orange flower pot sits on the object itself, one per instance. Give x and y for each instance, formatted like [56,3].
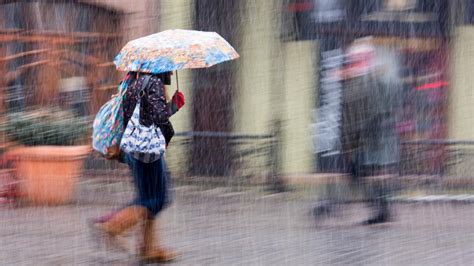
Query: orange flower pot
[48,174]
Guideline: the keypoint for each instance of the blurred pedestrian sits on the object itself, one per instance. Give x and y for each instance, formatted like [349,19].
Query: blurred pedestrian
[151,180]
[370,143]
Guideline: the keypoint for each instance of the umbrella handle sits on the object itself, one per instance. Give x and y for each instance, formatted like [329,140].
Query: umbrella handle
[177,84]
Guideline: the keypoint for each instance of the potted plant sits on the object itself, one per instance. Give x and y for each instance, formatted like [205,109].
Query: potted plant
[49,156]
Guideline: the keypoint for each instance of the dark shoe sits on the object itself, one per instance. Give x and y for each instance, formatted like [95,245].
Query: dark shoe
[323,210]
[319,211]
[379,219]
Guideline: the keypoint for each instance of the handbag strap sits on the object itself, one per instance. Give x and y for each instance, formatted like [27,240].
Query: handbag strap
[141,92]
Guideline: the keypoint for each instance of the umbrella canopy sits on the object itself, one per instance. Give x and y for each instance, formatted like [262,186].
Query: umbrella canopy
[174,50]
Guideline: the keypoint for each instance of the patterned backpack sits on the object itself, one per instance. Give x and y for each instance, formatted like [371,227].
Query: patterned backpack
[108,125]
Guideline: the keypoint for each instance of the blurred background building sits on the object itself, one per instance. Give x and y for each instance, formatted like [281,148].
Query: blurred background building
[61,51]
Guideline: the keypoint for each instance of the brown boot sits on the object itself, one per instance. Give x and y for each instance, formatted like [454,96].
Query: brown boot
[123,220]
[150,252]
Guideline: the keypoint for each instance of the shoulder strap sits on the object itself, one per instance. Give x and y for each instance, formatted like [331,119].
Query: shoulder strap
[146,80]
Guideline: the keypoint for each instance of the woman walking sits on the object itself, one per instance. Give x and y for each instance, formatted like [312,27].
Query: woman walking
[150,179]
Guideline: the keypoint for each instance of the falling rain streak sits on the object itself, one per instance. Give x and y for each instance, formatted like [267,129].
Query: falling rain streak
[340,134]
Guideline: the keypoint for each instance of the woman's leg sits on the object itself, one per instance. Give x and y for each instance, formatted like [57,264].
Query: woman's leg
[147,186]
[150,182]
[156,199]
[109,232]
[117,222]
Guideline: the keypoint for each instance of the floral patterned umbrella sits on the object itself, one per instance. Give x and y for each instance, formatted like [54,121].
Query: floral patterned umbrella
[174,50]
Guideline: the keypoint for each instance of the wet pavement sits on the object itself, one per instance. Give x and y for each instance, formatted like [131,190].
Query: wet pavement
[221,227]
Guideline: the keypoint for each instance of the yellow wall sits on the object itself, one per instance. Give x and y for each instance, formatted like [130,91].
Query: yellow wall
[257,64]
[277,81]
[300,97]
[461,95]
[176,14]
[461,100]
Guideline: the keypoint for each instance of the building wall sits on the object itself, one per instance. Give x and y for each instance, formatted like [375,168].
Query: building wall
[277,82]
[461,98]
[177,14]
[139,17]
[301,83]
[144,17]
[260,61]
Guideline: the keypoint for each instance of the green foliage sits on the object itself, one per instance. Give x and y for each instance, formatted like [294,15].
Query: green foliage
[50,126]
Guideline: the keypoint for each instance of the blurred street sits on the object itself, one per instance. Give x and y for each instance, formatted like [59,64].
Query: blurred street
[283,109]
[220,227]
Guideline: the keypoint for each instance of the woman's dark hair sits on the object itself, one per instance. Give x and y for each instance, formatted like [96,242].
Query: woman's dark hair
[165,77]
